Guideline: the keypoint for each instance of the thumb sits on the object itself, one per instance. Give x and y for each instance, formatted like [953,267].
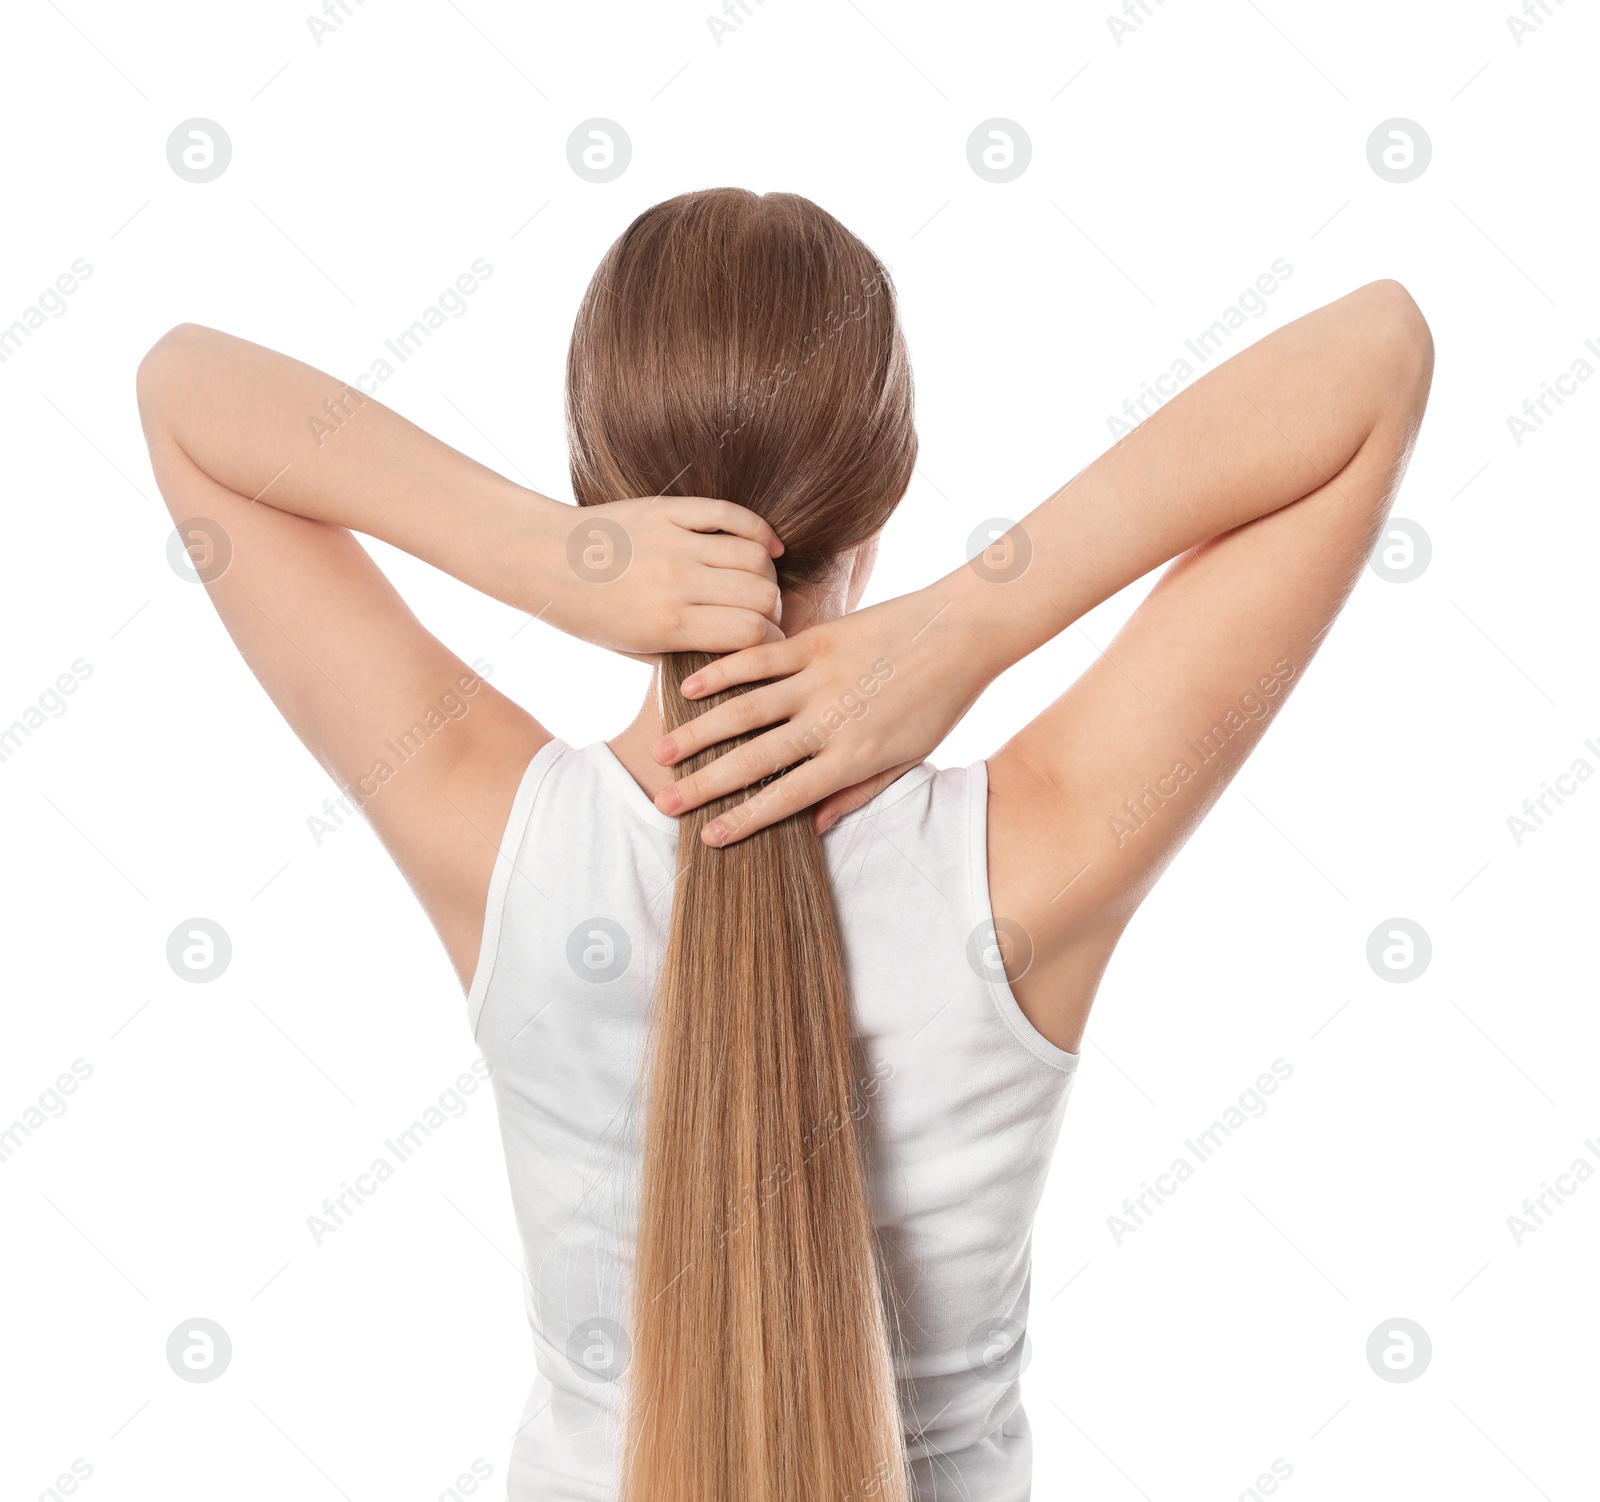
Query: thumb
[847,800]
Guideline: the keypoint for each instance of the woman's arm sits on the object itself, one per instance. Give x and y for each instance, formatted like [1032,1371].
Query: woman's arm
[1267,479]
[281,460]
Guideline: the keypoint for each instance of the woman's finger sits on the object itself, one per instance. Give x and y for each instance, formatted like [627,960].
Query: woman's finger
[722,722]
[733,771]
[732,586]
[718,550]
[776,660]
[722,628]
[772,804]
[701,514]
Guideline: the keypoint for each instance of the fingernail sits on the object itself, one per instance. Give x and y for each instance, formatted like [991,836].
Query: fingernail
[777,547]
[665,751]
[668,800]
[715,833]
[691,686]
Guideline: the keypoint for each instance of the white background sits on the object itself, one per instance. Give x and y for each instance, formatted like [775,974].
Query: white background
[1169,170]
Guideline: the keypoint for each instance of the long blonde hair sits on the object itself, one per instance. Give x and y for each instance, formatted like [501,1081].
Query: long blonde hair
[748,348]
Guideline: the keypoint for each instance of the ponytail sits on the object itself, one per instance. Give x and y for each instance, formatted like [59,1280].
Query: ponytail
[749,348]
[761,1367]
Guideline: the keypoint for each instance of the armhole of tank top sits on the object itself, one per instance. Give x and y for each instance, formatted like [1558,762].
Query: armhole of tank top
[1000,992]
[505,864]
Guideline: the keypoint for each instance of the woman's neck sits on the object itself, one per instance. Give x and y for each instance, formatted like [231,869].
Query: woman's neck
[634,744]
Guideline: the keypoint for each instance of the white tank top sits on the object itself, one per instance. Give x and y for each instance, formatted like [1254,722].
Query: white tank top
[966,1105]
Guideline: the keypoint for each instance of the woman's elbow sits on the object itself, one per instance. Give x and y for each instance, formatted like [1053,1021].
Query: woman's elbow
[162,367]
[1400,336]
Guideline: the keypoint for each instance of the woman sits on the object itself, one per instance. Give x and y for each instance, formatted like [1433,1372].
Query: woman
[780,1072]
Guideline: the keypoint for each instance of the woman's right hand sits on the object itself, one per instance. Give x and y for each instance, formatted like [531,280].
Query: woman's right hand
[855,701]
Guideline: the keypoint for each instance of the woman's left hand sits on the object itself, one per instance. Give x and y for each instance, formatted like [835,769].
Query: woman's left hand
[856,701]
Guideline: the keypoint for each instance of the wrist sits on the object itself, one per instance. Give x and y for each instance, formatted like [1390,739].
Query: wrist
[521,542]
[973,623]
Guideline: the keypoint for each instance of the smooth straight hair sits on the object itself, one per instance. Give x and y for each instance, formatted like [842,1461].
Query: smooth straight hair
[747,348]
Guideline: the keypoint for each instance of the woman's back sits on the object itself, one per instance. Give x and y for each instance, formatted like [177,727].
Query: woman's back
[959,1101]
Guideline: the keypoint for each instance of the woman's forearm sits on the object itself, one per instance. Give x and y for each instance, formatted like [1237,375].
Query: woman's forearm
[279,432]
[1274,423]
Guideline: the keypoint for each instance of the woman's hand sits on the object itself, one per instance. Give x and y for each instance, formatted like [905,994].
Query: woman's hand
[855,701]
[672,574]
